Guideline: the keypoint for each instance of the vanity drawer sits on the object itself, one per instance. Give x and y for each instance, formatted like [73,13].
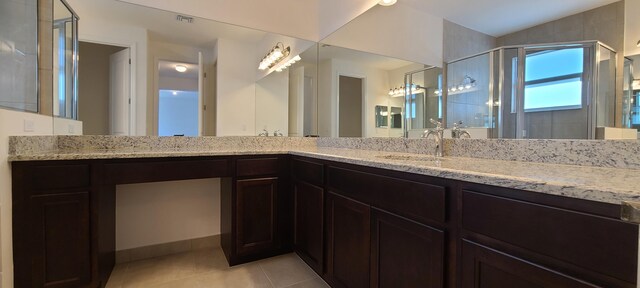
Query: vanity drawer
[257,166]
[43,179]
[310,172]
[165,170]
[600,244]
[415,200]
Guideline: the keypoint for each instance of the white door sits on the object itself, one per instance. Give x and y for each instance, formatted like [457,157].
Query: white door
[200,94]
[120,93]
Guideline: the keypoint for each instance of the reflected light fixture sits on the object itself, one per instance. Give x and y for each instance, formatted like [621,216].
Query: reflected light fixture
[387,2]
[410,89]
[274,56]
[181,68]
[288,63]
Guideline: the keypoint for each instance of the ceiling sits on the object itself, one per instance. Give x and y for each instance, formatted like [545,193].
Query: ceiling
[163,24]
[501,17]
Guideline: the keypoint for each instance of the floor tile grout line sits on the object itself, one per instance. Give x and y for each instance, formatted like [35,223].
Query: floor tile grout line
[266,275]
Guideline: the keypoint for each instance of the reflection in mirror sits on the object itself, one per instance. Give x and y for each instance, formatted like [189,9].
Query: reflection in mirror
[18,56]
[351,84]
[382,116]
[65,48]
[121,81]
[395,117]
[285,98]
[425,103]
[631,91]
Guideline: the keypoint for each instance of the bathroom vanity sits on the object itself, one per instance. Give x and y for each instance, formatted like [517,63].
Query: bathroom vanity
[358,218]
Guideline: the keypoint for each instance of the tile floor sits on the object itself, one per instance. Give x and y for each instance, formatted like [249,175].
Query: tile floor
[208,268]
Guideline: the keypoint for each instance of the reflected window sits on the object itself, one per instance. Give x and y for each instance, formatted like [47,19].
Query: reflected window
[553,80]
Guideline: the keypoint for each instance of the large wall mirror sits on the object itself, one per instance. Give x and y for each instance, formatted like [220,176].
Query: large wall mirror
[128,80]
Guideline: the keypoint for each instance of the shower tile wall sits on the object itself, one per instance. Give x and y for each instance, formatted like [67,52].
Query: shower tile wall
[18,54]
[605,23]
[459,42]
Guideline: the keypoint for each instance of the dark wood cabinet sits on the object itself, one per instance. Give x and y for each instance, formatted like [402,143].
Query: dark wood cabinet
[483,267]
[308,223]
[355,226]
[60,240]
[256,215]
[405,253]
[255,210]
[348,242]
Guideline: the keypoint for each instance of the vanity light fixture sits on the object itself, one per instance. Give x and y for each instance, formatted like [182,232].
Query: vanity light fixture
[181,68]
[467,84]
[387,2]
[274,56]
[410,89]
[288,63]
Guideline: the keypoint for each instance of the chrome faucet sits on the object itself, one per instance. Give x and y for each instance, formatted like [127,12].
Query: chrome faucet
[458,133]
[277,133]
[438,135]
[264,133]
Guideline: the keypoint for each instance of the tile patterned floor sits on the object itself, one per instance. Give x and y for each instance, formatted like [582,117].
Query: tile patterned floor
[208,268]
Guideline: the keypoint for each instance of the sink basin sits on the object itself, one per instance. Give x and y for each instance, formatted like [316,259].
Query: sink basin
[427,158]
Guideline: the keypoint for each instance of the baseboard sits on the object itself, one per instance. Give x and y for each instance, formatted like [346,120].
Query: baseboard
[157,250]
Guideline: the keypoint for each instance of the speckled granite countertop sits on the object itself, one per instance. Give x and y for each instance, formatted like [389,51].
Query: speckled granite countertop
[610,185]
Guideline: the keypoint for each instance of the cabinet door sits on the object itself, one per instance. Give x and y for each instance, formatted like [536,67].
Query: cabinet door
[483,267]
[405,253]
[60,239]
[349,239]
[308,223]
[256,215]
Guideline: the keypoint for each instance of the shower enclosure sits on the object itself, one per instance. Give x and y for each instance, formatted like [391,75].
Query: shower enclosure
[546,91]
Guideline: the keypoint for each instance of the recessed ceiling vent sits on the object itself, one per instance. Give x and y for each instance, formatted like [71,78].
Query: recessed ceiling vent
[185,19]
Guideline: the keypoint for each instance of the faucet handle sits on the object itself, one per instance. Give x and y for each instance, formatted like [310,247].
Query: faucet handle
[457,125]
[437,123]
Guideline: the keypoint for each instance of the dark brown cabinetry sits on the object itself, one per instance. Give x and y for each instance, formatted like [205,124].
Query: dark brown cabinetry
[348,242]
[483,267]
[405,253]
[52,225]
[308,212]
[255,203]
[308,223]
[355,226]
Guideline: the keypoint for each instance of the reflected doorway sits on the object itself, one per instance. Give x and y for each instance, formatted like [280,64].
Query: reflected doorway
[350,94]
[104,89]
[178,98]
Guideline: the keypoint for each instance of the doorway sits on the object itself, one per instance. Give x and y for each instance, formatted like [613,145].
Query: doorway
[97,76]
[178,98]
[350,94]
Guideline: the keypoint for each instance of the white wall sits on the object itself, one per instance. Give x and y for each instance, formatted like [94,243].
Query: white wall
[398,31]
[12,124]
[154,213]
[64,126]
[235,107]
[631,28]
[272,103]
[106,32]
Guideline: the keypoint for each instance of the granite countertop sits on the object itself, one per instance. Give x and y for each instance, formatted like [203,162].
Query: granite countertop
[609,185]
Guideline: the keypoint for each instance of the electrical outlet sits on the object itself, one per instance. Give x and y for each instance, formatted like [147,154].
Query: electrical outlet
[29,125]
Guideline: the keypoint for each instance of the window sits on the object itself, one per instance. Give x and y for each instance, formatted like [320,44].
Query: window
[553,80]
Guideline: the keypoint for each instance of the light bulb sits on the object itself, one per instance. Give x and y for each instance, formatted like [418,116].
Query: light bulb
[467,86]
[181,68]
[297,58]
